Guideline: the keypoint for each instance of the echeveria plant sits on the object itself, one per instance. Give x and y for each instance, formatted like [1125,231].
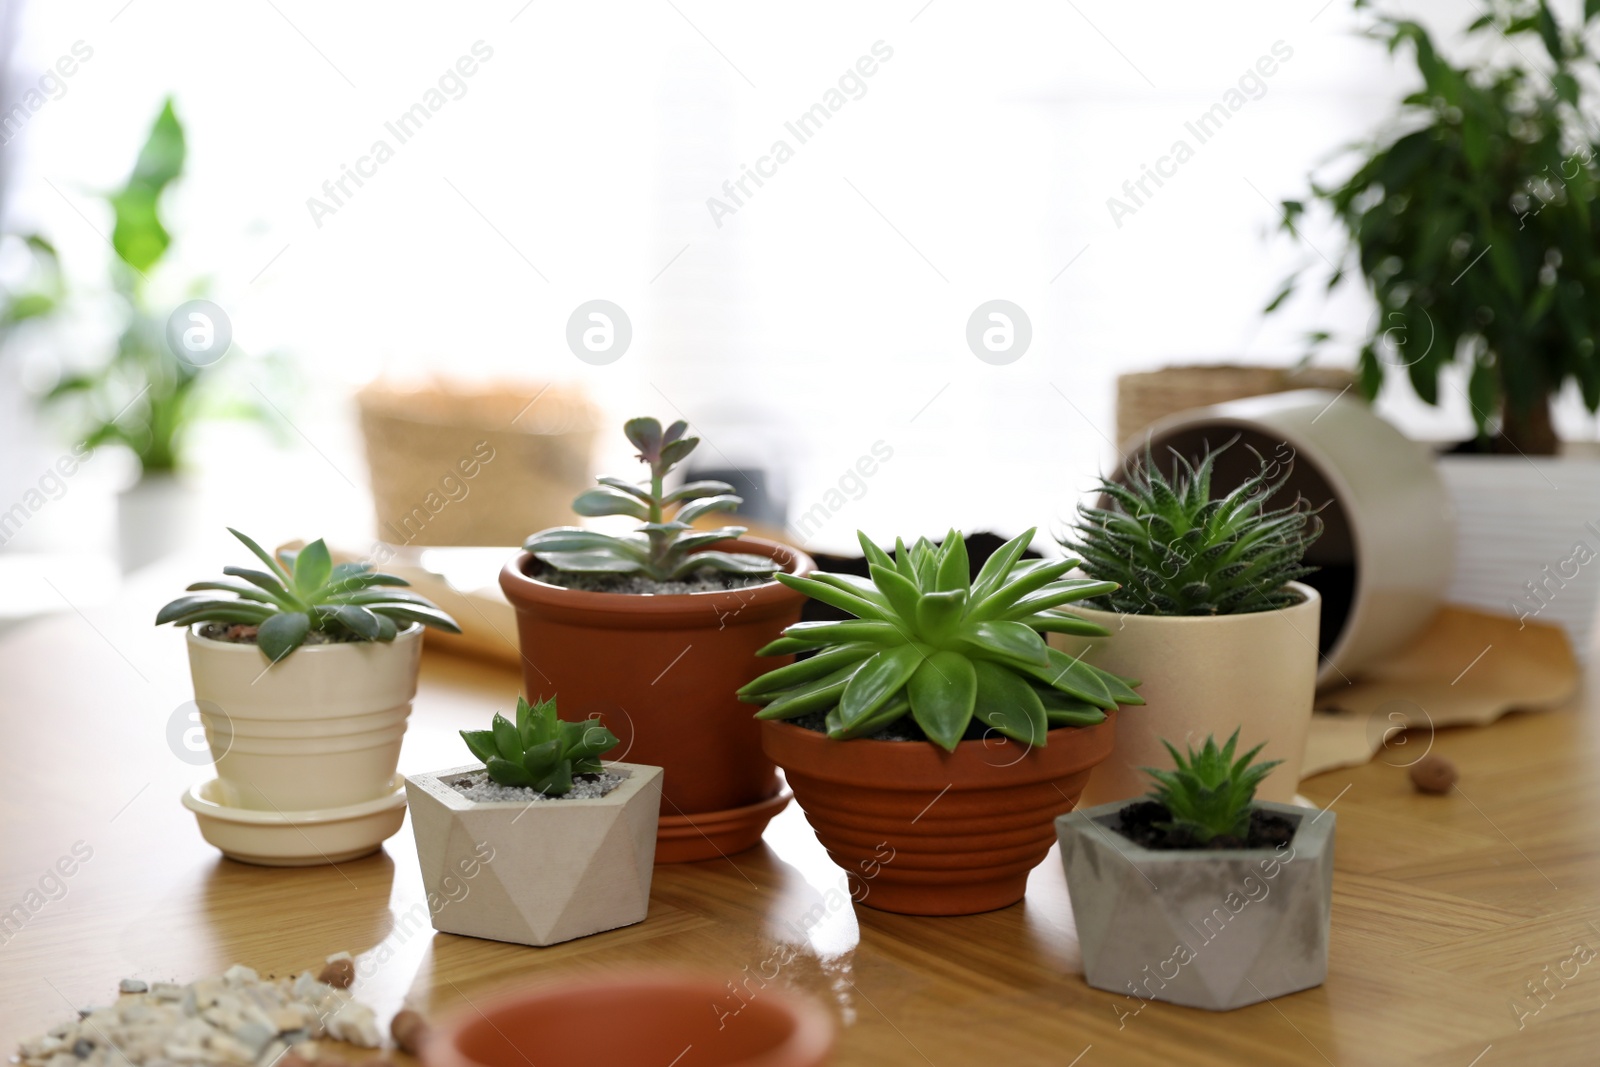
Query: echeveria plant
[305,592]
[539,750]
[1209,794]
[932,642]
[662,549]
[1167,548]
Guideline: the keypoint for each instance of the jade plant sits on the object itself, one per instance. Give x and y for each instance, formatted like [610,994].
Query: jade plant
[1168,548]
[540,751]
[932,642]
[1209,794]
[305,592]
[662,548]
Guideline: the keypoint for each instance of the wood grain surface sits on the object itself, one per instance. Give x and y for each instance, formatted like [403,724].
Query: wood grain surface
[1457,920]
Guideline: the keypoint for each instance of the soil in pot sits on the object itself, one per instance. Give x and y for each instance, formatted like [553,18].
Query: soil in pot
[705,580]
[1140,822]
[240,634]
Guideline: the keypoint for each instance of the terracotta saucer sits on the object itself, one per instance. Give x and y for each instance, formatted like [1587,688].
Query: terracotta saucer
[297,838]
[709,835]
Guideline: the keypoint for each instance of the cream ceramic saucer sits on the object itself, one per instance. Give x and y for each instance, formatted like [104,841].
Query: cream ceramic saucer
[297,838]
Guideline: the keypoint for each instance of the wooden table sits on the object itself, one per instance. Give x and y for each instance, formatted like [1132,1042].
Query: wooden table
[1445,908]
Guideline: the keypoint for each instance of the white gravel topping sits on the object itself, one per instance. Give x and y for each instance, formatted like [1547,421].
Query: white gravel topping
[480,787]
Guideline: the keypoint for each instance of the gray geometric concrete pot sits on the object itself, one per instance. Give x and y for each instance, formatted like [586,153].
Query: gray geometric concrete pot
[535,873]
[1215,930]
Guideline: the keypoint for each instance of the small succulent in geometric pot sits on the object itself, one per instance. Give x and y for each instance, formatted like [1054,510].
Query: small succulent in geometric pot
[541,842]
[654,629]
[303,681]
[1199,894]
[941,686]
[1209,611]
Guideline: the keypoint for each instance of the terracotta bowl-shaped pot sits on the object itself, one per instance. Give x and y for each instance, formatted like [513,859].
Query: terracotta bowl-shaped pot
[661,673]
[922,831]
[686,1020]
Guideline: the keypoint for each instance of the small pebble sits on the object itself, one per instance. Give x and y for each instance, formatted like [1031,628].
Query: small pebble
[1433,774]
[82,1048]
[339,971]
[409,1030]
[133,985]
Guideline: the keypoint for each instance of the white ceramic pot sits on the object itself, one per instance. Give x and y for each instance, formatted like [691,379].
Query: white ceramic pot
[1205,674]
[535,872]
[156,516]
[1388,547]
[1215,930]
[1530,538]
[319,729]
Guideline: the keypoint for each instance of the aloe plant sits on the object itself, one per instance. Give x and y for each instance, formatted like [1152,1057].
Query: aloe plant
[305,592]
[540,750]
[932,642]
[1172,550]
[663,549]
[1210,793]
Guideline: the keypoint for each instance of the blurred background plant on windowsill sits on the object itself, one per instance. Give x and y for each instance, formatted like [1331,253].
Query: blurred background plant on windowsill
[138,395]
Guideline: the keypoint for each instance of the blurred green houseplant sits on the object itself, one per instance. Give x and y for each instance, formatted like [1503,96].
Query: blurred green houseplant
[1475,226]
[140,395]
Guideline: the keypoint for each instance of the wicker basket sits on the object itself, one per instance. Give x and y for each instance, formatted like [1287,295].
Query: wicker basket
[455,465]
[1147,396]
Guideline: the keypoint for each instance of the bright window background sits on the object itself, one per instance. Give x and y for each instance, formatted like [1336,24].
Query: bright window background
[827,314]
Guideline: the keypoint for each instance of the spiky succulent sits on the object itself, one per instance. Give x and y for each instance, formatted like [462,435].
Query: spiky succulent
[539,750]
[1173,550]
[661,549]
[932,642]
[304,592]
[1209,794]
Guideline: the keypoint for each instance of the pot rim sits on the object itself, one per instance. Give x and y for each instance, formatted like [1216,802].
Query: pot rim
[195,799]
[1305,818]
[1309,599]
[810,1038]
[637,779]
[518,585]
[237,647]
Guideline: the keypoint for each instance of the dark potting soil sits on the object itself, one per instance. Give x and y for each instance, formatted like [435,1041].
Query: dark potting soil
[904,728]
[704,580]
[239,634]
[1137,822]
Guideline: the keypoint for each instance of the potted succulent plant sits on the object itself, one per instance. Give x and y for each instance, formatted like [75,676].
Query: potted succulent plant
[1471,220]
[572,838]
[1200,895]
[932,738]
[1205,608]
[304,678]
[653,631]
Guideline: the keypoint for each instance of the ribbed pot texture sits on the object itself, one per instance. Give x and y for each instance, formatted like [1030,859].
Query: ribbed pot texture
[319,729]
[661,672]
[922,831]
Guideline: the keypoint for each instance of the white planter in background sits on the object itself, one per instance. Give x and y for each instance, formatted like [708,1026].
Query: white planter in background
[1529,543]
[1200,675]
[156,516]
[536,872]
[320,729]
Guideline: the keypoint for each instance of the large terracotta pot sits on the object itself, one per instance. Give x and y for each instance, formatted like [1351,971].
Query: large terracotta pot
[922,831]
[1206,674]
[653,1019]
[661,673]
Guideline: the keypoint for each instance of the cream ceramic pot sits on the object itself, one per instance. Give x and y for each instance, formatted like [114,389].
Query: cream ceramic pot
[1388,547]
[319,729]
[1206,674]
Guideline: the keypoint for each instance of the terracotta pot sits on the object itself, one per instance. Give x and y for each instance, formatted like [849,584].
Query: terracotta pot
[661,672]
[1206,674]
[320,729]
[922,831]
[645,1019]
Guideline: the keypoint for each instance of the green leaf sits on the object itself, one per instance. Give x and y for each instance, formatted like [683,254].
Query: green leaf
[938,614]
[1011,641]
[705,505]
[954,570]
[844,600]
[597,562]
[637,491]
[607,501]
[415,613]
[1058,622]
[506,739]
[137,234]
[645,435]
[943,692]
[357,620]
[692,490]
[819,694]
[282,633]
[876,681]
[507,772]
[577,539]
[728,562]
[481,742]
[805,670]
[1009,704]
[260,553]
[901,592]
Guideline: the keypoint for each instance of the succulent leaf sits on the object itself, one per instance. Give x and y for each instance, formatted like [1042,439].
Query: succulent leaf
[1209,793]
[539,750]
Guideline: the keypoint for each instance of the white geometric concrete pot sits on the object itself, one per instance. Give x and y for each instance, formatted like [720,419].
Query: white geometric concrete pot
[1215,930]
[1530,538]
[1205,674]
[1388,545]
[539,872]
[319,729]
